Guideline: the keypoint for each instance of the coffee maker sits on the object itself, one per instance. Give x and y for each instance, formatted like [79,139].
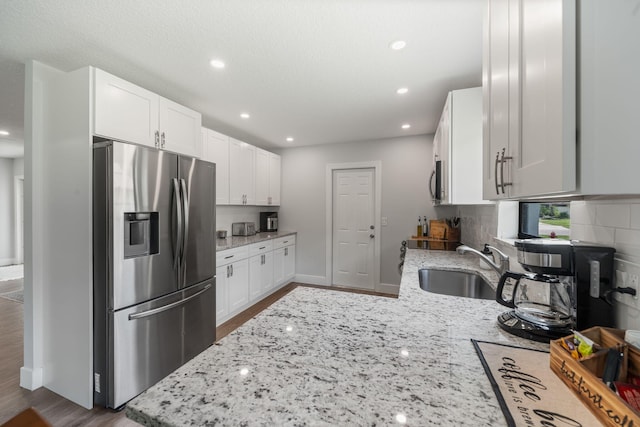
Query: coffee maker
[568,286]
[268,221]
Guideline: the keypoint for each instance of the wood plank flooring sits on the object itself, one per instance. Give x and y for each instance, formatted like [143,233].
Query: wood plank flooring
[59,411]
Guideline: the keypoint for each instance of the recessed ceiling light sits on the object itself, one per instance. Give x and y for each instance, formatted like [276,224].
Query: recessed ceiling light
[402,91]
[245,115]
[406,126]
[216,63]
[289,139]
[398,44]
[4,132]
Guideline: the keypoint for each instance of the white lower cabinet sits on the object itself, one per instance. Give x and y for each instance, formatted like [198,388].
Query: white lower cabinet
[260,269]
[232,282]
[247,274]
[284,259]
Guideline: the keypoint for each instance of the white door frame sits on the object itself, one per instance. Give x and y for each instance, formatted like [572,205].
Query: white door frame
[18,184]
[331,167]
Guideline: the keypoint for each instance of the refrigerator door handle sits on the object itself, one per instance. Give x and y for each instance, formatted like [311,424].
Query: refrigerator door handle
[147,313]
[185,206]
[178,246]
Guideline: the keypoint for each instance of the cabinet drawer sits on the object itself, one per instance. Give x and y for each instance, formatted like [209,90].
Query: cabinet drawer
[281,242]
[260,248]
[231,255]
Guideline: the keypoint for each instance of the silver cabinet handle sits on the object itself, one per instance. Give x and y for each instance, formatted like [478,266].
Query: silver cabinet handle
[147,313]
[162,143]
[229,256]
[495,173]
[286,251]
[157,143]
[502,162]
[227,271]
[231,270]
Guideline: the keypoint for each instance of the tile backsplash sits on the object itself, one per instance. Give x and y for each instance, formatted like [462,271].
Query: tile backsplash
[613,221]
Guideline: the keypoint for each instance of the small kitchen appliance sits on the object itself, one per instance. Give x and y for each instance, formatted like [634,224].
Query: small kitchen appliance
[243,229]
[268,221]
[568,286]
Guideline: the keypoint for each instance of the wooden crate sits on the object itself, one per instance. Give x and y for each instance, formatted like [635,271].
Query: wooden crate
[584,376]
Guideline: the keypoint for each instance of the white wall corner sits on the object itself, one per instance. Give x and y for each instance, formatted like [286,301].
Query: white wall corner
[31,379]
[388,288]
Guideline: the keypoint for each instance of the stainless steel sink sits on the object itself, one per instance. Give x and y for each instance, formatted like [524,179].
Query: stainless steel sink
[455,283]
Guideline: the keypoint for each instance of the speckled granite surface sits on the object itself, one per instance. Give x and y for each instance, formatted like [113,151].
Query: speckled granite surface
[320,357]
[236,241]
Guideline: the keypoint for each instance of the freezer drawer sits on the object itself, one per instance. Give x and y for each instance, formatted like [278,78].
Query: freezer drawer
[151,340]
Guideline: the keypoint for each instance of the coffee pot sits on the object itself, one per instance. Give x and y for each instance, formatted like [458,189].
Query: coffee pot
[540,299]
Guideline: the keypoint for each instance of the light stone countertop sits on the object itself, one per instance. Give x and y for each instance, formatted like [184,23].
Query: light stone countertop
[327,358]
[236,241]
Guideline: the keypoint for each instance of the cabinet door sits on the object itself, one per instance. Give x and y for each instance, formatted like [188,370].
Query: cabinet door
[238,285]
[267,272]
[255,277]
[289,264]
[609,93]
[222,303]
[262,177]
[123,110]
[495,97]
[241,175]
[180,129]
[215,149]
[546,161]
[274,179]
[278,266]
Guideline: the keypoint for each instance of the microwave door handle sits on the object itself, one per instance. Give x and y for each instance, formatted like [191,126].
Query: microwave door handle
[178,207]
[147,313]
[185,204]
[431,190]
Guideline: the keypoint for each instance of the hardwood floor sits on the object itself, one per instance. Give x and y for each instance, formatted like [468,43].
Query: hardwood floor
[59,411]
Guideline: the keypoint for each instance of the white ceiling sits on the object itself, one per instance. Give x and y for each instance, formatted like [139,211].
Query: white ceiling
[320,71]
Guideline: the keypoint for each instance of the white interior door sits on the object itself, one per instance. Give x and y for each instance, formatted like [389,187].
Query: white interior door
[353,228]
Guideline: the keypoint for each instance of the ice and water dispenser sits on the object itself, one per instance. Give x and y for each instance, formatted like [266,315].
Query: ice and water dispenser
[140,234]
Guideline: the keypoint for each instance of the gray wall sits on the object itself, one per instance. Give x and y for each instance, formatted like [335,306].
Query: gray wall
[406,167]
[9,168]
[6,211]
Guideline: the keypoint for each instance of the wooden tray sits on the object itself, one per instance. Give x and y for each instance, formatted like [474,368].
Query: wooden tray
[584,376]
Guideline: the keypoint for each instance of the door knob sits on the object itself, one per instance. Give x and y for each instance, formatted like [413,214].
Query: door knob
[372,235]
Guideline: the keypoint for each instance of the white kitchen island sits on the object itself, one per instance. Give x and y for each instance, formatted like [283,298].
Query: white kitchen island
[320,357]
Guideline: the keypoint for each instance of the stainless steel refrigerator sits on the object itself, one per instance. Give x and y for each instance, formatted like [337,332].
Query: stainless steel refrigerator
[154,266]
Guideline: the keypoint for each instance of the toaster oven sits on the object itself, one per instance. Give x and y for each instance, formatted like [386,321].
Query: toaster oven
[243,229]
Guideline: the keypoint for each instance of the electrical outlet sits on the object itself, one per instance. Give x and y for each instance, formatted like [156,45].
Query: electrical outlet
[627,276]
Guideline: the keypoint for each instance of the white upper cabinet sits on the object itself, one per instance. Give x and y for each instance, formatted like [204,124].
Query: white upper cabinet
[215,149]
[267,178]
[275,174]
[241,173]
[130,113]
[609,87]
[180,129]
[124,111]
[458,146]
[529,98]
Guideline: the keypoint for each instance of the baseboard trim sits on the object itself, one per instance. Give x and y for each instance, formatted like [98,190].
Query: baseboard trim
[388,288]
[311,280]
[5,262]
[31,379]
